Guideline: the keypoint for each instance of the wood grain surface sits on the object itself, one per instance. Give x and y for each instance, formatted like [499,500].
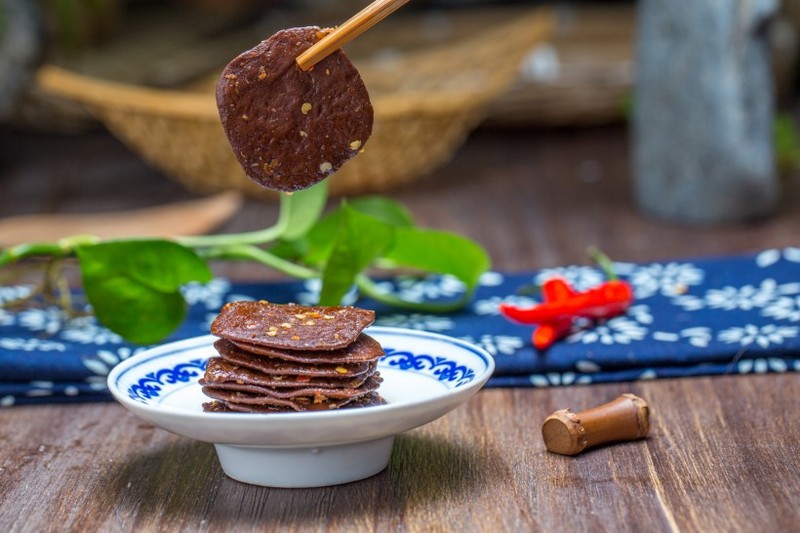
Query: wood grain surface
[723,453]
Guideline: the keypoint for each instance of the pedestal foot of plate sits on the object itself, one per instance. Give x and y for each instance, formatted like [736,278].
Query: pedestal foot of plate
[305,467]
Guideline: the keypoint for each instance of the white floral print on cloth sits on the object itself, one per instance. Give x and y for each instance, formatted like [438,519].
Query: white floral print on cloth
[691,317]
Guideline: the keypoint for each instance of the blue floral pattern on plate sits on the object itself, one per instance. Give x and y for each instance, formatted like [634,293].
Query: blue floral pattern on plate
[150,386]
[438,367]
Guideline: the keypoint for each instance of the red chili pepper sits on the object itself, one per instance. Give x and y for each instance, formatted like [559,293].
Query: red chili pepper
[563,304]
[546,334]
[556,289]
[608,299]
[553,290]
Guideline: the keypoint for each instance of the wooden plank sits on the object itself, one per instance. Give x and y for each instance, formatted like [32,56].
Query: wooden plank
[722,454]
[708,465]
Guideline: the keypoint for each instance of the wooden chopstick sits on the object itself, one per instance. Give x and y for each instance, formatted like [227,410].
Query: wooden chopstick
[349,30]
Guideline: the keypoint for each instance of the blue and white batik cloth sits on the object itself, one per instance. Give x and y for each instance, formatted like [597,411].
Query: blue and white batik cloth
[732,315]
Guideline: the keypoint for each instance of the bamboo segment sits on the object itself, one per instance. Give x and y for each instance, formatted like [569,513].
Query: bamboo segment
[625,418]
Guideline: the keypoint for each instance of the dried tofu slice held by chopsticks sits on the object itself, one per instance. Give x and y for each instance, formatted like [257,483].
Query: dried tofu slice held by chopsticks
[290,128]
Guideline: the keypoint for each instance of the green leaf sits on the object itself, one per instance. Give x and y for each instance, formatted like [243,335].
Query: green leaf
[318,243]
[384,209]
[360,238]
[301,210]
[134,285]
[787,143]
[314,247]
[441,252]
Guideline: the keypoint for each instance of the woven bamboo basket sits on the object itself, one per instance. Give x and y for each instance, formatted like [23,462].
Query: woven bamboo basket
[426,102]
[587,76]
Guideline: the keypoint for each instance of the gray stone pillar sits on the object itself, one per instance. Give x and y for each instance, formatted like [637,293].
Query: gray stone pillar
[703,111]
[21,38]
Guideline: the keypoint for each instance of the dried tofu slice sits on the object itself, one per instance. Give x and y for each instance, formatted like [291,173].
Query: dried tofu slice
[219,371]
[364,349]
[316,394]
[291,326]
[296,404]
[222,406]
[291,128]
[279,367]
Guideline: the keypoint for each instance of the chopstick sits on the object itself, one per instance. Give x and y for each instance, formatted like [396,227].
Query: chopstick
[349,30]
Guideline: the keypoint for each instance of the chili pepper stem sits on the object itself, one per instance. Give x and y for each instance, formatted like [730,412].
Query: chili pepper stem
[603,261]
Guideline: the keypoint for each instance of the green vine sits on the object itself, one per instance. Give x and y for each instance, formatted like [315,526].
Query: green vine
[133,285]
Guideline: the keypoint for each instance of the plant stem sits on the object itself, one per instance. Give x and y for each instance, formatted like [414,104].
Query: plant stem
[603,261]
[62,248]
[286,223]
[15,253]
[253,253]
[370,288]
[234,239]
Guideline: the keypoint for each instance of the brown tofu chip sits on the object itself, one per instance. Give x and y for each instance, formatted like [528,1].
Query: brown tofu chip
[295,404]
[291,128]
[318,394]
[220,372]
[291,326]
[364,349]
[281,358]
[222,406]
[279,367]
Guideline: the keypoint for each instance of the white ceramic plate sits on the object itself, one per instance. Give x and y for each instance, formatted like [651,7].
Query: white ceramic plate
[425,376]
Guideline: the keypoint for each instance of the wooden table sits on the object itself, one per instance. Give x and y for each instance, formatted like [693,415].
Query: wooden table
[723,453]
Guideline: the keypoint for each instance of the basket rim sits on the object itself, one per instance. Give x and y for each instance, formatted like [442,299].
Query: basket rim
[58,81]
[101,95]
[116,96]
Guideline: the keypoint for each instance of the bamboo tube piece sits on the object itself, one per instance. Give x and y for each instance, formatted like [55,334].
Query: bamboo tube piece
[623,419]
[349,30]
